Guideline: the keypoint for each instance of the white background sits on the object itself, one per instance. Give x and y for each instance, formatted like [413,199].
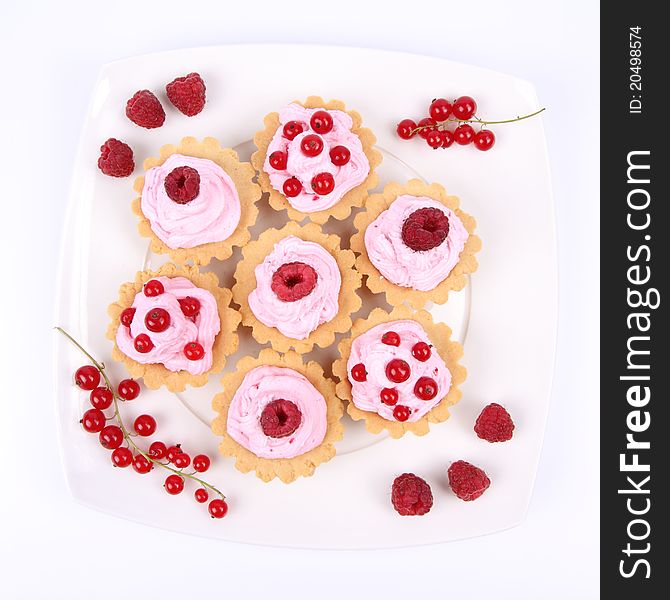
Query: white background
[51,546]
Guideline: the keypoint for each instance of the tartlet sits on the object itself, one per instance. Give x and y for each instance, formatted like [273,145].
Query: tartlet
[187,320]
[438,261]
[278,416]
[296,287]
[196,201]
[399,371]
[297,149]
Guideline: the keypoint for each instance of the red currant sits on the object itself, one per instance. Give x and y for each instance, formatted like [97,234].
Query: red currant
[391,338]
[464,134]
[101,397]
[190,306]
[194,351]
[358,372]
[201,462]
[122,457]
[321,122]
[464,107]
[141,464]
[389,396]
[127,316]
[311,145]
[153,288]
[434,139]
[128,389]
[397,370]
[340,155]
[143,343]
[111,437]
[145,425]
[174,484]
[218,508]
[447,138]
[425,388]
[173,452]
[323,183]
[292,187]
[484,140]
[427,126]
[278,160]
[440,109]
[93,420]
[421,351]
[87,377]
[182,460]
[157,450]
[201,495]
[292,128]
[157,320]
[405,129]
[401,413]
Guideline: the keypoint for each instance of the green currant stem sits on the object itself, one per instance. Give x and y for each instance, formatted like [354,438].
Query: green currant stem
[479,121]
[128,436]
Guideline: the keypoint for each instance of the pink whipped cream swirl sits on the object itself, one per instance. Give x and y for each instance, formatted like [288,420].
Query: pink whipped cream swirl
[397,262]
[304,168]
[212,216]
[263,385]
[299,318]
[169,345]
[370,351]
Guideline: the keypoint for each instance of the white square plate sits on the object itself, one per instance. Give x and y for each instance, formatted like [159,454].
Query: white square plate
[508,311]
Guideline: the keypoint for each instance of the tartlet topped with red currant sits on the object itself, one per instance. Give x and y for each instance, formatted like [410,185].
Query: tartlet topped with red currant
[173,327]
[415,244]
[315,160]
[399,371]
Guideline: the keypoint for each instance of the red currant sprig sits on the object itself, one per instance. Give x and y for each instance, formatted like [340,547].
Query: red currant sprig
[461,112]
[113,436]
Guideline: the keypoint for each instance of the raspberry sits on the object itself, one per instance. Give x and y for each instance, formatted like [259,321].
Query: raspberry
[411,495]
[116,158]
[187,94]
[280,418]
[425,228]
[182,184]
[467,481]
[494,424]
[293,281]
[145,110]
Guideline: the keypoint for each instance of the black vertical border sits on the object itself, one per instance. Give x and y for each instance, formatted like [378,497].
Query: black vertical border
[634,547]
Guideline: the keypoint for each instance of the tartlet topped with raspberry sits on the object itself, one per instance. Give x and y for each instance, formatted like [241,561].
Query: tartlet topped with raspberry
[296,287]
[197,201]
[315,160]
[399,371]
[415,243]
[278,416]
